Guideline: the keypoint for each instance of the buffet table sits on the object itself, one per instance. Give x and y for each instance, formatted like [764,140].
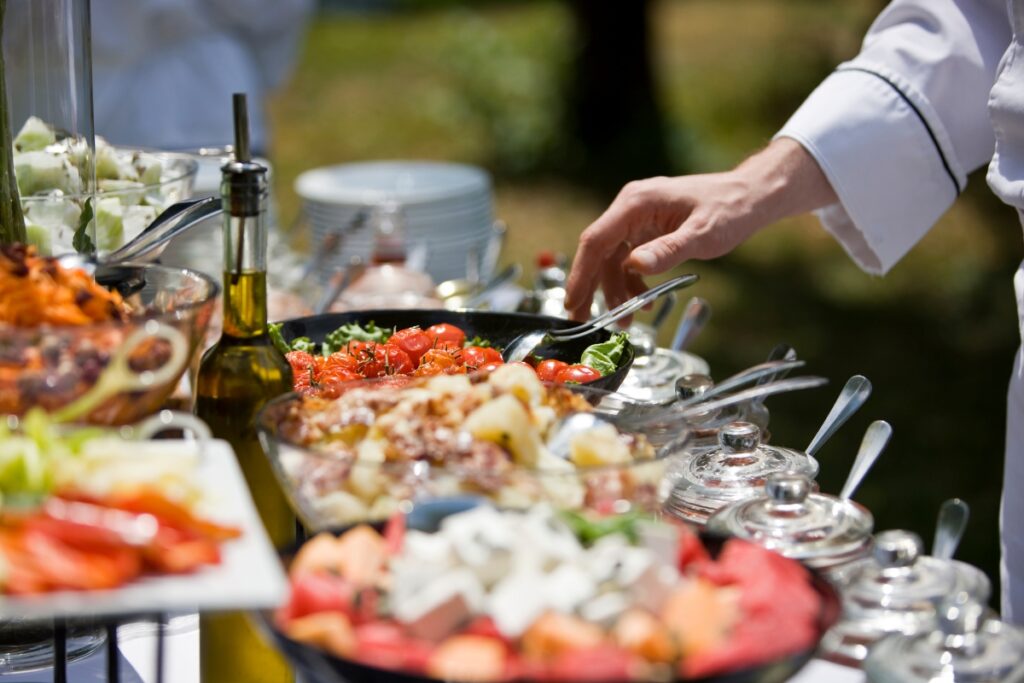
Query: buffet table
[182,661]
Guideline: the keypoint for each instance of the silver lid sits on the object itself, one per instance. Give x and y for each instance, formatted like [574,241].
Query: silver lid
[244,182]
[705,480]
[895,591]
[966,647]
[823,531]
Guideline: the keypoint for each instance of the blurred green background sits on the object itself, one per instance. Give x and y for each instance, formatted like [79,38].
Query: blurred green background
[564,101]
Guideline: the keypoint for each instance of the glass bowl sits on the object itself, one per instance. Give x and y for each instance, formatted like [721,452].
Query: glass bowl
[51,366]
[122,208]
[328,489]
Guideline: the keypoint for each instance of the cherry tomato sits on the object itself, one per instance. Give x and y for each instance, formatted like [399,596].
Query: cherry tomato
[302,362]
[491,366]
[548,370]
[358,349]
[475,356]
[428,370]
[340,360]
[413,341]
[381,360]
[443,333]
[331,379]
[577,374]
[444,358]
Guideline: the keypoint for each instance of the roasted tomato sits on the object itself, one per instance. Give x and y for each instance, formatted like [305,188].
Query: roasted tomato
[577,374]
[340,360]
[491,366]
[382,360]
[548,370]
[304,363]
[477,356]
[443,333]
[413,341]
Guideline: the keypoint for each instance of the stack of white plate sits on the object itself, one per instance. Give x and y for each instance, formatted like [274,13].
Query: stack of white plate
[447,209]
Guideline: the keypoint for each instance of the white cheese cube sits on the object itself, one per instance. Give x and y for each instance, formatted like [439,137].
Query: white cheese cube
[568,587]
[516,602]
[440,607]
[605,609]
[661,539]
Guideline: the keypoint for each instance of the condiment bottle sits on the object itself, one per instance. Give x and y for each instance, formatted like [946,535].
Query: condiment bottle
[237,376]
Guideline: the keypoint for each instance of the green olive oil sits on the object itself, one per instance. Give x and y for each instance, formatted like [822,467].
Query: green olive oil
[236,378]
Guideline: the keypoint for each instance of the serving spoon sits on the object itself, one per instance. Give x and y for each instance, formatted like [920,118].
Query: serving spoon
[949,529]
[174,221]
[875,440]
[525,344]
[851,398]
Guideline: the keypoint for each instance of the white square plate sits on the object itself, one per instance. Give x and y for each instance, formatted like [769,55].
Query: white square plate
[249,575]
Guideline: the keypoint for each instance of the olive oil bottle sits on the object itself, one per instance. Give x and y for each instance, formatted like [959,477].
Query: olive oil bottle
[237,376]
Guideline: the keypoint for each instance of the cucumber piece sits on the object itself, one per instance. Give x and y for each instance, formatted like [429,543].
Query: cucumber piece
[109,224]
[34,135]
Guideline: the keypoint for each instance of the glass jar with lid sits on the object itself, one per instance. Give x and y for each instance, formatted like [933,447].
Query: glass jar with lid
[968,646]
[895,591]
[823,531]
[705,480]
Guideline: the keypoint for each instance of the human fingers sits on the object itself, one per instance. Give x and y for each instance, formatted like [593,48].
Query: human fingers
[603,237]
[613,280]
[667,251]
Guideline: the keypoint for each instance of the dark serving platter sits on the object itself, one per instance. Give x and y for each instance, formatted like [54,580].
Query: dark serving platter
[498,328]
[318,666]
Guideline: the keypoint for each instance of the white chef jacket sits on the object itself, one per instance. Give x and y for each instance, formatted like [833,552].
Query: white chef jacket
[936,92]
[164,70]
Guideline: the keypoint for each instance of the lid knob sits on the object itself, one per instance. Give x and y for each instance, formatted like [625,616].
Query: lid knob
[740,436]
[788,488]
[690,386]
[897,549]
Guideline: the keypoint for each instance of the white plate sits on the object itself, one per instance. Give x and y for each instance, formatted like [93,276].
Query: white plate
[249,575]
[405,182]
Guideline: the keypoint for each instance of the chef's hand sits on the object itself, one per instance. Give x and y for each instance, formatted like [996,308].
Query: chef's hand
[656,224]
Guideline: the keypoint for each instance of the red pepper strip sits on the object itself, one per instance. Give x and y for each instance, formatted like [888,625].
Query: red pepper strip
[66,567]
[88,526]
[172,514]
[23,577]
[182,556]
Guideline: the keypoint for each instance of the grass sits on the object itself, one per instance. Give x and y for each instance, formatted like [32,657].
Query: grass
[480,83]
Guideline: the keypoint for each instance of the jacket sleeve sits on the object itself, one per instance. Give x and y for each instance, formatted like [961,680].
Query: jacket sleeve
[897,129]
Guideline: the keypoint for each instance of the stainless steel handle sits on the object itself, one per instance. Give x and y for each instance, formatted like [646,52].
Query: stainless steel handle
[875,440]
[851,398]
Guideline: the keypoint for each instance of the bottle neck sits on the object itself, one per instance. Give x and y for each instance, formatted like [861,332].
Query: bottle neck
[245,256]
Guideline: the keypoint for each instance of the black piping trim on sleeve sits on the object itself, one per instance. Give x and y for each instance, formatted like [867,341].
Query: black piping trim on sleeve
[924,122]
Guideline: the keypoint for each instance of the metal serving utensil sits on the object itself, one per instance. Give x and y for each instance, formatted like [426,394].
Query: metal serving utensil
[851,398]
[949,528]
[174,221]
[695,316]
[875,440]
[522,346]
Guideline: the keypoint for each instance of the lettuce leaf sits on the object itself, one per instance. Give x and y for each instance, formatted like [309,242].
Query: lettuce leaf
[605,356]
[355,332]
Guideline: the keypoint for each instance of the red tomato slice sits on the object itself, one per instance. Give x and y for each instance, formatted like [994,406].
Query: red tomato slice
[394,533]
[602,663]
[444,333]
[413,341]
[577,374]
[548,370]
